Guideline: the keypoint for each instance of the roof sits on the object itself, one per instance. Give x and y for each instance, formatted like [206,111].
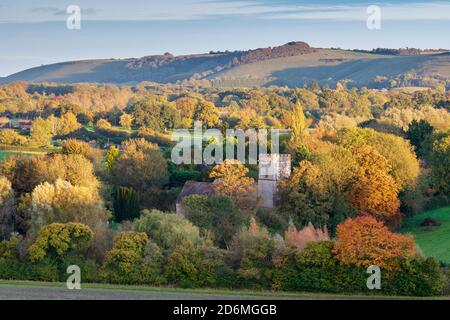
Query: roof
[196,188]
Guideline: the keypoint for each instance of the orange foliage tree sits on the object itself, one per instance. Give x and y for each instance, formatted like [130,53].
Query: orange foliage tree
[374,192]
[364,241]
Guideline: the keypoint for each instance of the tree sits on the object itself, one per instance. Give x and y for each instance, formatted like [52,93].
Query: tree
[299,125]
[253,249]
[74,146]
[133,259]
[111,157]
[103,124]
[126,120]
[67,123]
[155,112]
[404,166]
[126,204]
[167,230]
[63,202]
[231,179]
[374,192]
[300,238]
[418,132]
[57,240]
[207,113]
[216,214]
[439,159]
[364,241]
[26,173]
[41,132]
[12,137]
[140,165]
[6,208]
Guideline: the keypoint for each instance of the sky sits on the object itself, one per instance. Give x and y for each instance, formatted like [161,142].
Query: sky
[33,33]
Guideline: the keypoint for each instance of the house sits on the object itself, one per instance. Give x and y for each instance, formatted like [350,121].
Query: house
[193,188]
[272,168]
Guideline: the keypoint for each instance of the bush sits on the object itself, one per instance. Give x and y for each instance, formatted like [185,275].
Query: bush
[316,269]
[253,249]
[192,267]
[273,220]
[132,260]
[167,230]
[216,214]
[416,276]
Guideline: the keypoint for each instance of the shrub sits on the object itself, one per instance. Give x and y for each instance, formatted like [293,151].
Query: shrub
[167,230]
[316,269]
[58,240]
[414,276]
[132,260]
[272,219]
[193,267]
[252,249]
[216,214]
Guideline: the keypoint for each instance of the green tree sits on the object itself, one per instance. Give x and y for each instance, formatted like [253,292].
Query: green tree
[418,132]
[126,204]
[168,230]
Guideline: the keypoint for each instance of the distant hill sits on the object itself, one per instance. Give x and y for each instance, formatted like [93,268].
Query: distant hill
[291,64]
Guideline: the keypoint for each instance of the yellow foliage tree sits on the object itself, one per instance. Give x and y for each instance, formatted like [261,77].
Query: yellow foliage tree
[59,239]
[231,179]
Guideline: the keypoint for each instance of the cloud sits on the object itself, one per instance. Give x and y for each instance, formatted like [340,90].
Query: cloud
[87,11]
[44,10]
[399,12]
[156,10]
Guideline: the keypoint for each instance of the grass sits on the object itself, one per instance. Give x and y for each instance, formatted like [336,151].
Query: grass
[186,293]
[434,241]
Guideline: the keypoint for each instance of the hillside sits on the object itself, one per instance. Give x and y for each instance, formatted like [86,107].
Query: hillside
[291,64]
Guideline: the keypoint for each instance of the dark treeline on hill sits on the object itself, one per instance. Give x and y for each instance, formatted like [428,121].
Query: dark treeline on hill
[403,51]
[104,194]
[292,64]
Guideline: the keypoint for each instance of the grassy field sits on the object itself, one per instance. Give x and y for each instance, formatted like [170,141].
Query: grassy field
[6,154]
[434,241]
[57,291]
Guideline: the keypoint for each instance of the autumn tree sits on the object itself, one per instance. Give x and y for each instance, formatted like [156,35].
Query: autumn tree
[374,192]
[364,241]
[6,208]
[67,124]
[207,113]
[126,120]
[57,240]
[103,124]
[299,125]
[403,164]
[231,180]
[140,165]
[41,133]
[132,259]
[63,202]
[12,137]
[155,112]
[300,238]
